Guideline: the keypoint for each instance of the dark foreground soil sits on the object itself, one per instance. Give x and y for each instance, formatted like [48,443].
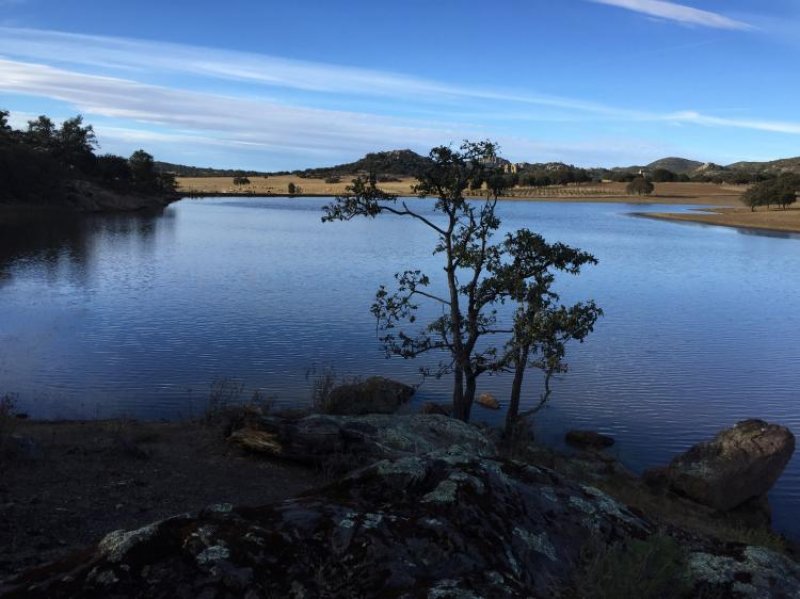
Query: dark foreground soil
[64,485]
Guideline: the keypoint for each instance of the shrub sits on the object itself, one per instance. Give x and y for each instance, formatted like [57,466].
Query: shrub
[652,568]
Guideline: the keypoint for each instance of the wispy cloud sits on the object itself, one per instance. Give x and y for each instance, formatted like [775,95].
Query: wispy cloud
[137,58]
[754,124]
[679,13]
[278,107]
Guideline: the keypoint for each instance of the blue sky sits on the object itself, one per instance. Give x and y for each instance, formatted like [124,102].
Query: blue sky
[281,85]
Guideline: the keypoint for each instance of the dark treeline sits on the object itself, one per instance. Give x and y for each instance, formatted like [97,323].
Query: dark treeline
[780,191]
[181,170]
[43,163]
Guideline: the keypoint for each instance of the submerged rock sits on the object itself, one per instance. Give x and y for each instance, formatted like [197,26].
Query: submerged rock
[487,400]
[376,395]
[588,440]
[739,464]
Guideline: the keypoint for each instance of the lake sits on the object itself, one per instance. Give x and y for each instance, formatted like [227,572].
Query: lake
[139,314]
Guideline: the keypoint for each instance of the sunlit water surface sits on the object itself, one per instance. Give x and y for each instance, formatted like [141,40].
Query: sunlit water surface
[138,315]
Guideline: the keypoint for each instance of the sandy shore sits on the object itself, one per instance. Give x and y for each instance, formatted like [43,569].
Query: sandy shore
[786,221]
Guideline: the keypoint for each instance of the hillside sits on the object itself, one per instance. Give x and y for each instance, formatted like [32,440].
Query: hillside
[775,167]
[182,170]
[679,166]
[398,163]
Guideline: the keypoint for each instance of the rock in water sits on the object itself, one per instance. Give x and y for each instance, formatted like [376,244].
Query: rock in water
[376,395]
[588,439]
[435,525]
[487,400]
[740,463]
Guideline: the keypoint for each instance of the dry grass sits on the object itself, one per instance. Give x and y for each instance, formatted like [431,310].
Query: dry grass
[279,185]
[665,193]
[771,220]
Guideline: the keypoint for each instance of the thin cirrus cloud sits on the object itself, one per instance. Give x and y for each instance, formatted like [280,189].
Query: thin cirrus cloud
[679,13]
[138,58]
[240,121]
[278,105]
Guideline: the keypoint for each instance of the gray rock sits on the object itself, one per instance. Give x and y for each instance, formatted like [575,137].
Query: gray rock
[444,524]
[366,439]
[376,395]
[739,464]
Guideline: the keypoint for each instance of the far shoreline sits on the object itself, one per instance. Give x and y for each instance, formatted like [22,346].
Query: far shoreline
[772,221]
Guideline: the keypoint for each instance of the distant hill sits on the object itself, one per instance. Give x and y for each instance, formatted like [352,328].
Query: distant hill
[679,166]
[401,163]
[407,163]
[774,167]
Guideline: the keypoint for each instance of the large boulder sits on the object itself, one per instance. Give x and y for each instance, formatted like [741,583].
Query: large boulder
[365,439]
[376,395]
[434,525]
[739,464]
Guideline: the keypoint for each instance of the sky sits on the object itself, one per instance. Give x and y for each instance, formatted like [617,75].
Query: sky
[274,85]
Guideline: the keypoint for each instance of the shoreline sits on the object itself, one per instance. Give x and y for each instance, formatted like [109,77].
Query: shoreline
[772,221]
[72,482]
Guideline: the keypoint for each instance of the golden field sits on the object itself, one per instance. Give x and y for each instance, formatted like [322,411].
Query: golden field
[723,200]
[279,185]
[665,193]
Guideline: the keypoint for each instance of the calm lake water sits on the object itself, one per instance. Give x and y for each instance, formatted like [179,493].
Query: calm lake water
[138,314]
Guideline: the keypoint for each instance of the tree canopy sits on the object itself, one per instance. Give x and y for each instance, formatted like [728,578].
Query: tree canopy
[37,165]
[781,191]
[640,187]
[478,276]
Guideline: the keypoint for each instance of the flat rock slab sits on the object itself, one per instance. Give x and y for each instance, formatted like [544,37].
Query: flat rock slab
[365,439]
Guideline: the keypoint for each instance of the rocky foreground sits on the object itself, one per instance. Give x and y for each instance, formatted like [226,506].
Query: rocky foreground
[436,512]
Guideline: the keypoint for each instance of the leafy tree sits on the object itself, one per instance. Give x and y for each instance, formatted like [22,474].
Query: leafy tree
[478,274]
[5,128]
[663,175]
[542,326]
[114,171]
[240,180]
[75,143]
[780,190]
[41,134]
[294,189]
[640,186]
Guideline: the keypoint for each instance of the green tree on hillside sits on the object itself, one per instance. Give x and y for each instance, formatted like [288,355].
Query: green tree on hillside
[780,190]
[640,187]
[478,275]
[41,134]
[5,128]
[663,175]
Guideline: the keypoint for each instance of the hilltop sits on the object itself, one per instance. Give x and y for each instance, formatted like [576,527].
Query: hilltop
[679,166]
[398,163]
[776,167]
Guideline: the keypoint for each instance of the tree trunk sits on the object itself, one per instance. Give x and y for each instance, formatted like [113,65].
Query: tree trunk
[459,407]
[469,394]
[520,362]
